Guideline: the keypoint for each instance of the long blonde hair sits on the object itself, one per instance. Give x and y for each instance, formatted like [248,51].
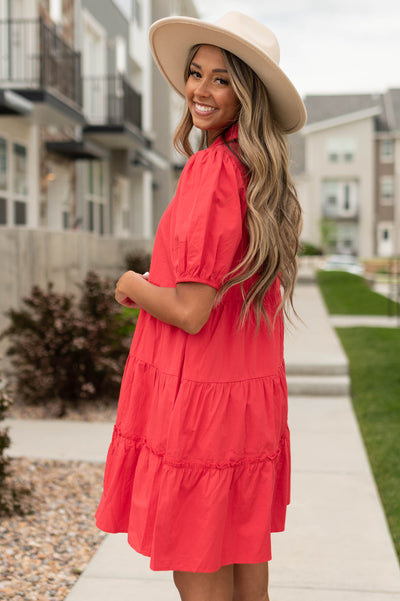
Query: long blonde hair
[273,217]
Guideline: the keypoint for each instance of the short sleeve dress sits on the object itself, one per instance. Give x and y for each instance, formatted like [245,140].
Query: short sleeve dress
[198,469]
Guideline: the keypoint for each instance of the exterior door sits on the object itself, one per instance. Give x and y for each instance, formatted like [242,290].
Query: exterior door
[385,240]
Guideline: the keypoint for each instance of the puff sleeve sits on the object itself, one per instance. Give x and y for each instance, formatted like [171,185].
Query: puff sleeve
[209,217]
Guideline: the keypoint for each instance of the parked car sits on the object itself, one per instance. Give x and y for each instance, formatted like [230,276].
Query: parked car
[344,263]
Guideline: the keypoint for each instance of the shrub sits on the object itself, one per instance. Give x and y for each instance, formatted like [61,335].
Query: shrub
[308,249]
[138,260]
[10,495]
[4,437]
[65,351]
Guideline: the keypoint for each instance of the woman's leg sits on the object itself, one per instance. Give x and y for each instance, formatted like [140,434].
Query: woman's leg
[250,582]
[216,586]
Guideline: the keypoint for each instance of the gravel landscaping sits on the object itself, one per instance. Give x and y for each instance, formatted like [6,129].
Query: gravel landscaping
[43,552]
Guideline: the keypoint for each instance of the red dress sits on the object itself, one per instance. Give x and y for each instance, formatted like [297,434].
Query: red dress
[198,470]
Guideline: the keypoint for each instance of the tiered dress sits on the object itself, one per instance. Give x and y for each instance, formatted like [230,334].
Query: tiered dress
[198,470]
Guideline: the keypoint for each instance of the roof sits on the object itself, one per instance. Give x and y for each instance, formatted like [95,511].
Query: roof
[321,108]
[325,107]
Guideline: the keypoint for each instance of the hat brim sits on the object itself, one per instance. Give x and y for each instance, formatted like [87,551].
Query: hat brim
[172,38]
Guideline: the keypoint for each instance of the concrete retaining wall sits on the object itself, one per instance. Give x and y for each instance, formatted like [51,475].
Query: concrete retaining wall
[29,257]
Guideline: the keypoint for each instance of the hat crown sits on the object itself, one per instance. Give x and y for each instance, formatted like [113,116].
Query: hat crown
[252,31]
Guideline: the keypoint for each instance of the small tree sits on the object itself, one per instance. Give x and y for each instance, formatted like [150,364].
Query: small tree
[328,230]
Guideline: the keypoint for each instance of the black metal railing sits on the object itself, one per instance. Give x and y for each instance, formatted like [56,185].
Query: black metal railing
[34,56]
[111,100]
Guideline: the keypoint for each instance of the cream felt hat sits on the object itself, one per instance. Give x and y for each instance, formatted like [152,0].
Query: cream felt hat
[172,38]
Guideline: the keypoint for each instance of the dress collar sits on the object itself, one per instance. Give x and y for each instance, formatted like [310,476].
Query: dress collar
[229,135]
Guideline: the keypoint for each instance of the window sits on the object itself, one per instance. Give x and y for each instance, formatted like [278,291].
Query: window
[3,164]
[120,54]
[13,183]
[91,216]
[341,150]
[346,199]
[137,12]
[101,219]
[96,197]
[347,238]
[340,198]
[3,211]
[65,220]
[20,169]
[387,151]
[387,190]
[19,212]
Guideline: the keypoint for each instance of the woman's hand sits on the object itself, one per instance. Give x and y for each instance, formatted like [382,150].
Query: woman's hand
[121,293]
[186,306]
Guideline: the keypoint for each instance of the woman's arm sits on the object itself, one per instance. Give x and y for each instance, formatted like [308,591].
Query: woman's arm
[188,306]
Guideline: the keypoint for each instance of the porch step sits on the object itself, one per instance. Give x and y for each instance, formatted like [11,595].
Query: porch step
[318,385]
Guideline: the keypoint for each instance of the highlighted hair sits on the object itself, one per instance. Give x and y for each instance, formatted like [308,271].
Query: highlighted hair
[273,216]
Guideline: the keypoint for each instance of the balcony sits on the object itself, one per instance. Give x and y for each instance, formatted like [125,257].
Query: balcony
[38,65]
[113,110]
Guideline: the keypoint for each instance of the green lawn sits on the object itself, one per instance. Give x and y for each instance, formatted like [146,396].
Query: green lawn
[348,294]
[374,360]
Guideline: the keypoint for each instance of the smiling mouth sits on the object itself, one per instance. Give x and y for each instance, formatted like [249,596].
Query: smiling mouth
[203,109]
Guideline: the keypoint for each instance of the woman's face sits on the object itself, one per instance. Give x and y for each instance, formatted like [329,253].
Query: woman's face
[211,100]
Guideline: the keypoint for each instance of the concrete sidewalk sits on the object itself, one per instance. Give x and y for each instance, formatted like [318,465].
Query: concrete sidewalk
[337,546]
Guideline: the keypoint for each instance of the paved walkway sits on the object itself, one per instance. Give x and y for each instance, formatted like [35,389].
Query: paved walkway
[372,321]
[337,545]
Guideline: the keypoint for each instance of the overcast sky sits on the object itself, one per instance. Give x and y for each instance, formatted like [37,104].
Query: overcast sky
[328,46]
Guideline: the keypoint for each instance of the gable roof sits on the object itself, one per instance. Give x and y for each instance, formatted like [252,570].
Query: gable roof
[322,108]
[327,107]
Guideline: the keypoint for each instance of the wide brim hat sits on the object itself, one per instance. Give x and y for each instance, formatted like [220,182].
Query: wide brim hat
[172,38]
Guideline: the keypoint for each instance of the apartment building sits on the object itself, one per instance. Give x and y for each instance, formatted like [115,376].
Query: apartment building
[346,166]
[86,160]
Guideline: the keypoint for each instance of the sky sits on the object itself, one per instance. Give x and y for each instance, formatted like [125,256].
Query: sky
[327,46]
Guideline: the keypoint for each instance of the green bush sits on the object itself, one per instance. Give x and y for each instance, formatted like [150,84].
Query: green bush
[65,351]
[308,249]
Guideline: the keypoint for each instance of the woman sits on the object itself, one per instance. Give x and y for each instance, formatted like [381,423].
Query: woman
[198,469]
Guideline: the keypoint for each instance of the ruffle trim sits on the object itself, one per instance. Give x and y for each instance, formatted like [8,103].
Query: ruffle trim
[140,442]
[189,520]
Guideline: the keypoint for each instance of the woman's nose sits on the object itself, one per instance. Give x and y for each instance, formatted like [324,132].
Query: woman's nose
[202,88]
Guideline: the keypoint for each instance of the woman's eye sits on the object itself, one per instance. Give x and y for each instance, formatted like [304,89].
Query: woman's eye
[221,81]
[194,73]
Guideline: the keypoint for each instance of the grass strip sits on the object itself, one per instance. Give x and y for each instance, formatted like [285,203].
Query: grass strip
[348,294]
[374,359]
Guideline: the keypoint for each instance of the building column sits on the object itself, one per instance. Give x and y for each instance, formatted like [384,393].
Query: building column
[147,204]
